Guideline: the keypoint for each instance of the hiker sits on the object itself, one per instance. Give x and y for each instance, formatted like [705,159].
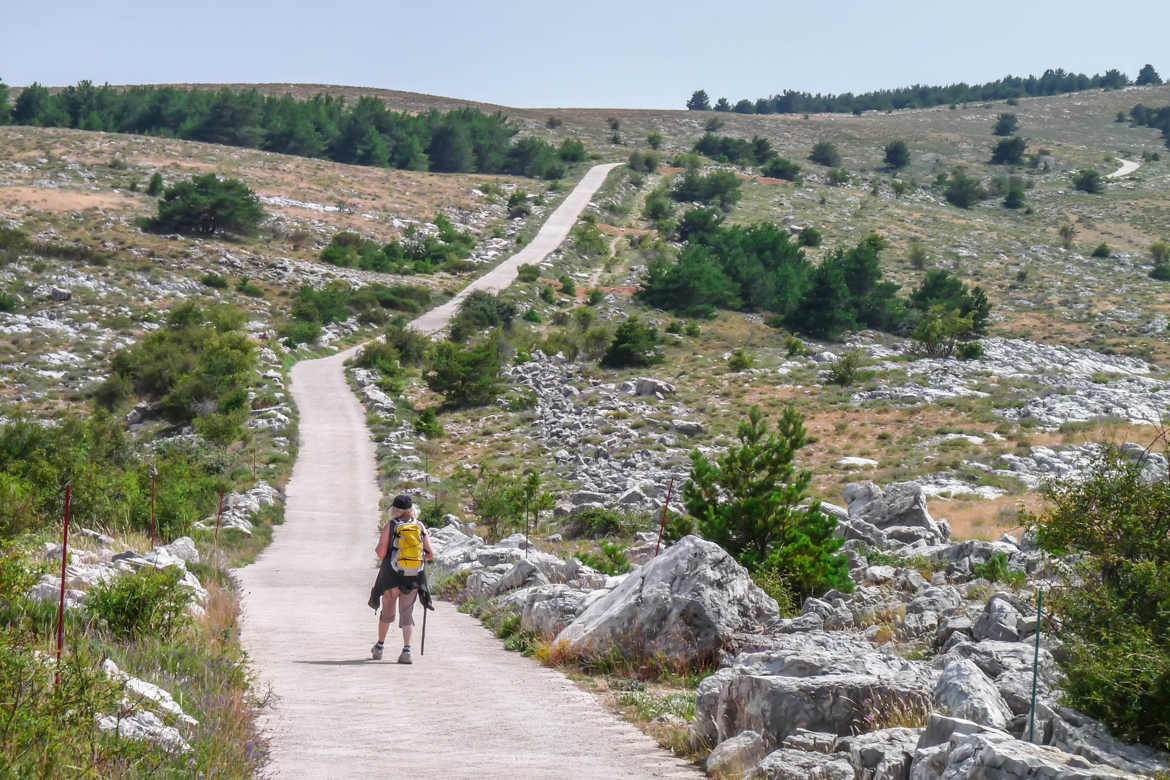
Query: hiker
[404,548]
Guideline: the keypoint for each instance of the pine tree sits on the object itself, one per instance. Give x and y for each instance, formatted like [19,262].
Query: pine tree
[748,502]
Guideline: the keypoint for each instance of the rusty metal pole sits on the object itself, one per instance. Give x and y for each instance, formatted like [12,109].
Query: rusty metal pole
[153,519]
[64,559]
[665,509]
[219,515]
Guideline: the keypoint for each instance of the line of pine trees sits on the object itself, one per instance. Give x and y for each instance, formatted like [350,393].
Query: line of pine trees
[1054,82]
[364,132]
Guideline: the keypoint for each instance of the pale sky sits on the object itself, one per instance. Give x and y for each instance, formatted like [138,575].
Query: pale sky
[649,54]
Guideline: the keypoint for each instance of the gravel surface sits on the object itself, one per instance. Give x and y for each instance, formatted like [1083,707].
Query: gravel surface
[465,709]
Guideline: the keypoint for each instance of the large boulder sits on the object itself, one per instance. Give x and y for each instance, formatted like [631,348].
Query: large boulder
[546,609]
[787,764]
[818,680]
[994,754]
[1077,733]
[899,513]
[964,691]
[999,621]
[881,755]
[685,605]
[737,755]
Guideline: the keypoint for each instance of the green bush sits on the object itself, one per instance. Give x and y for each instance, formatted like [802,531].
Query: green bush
[720,188]
[996,570]
[155,187]
[214,281]
[244,285]
[572,150]
[50,719]
[479,311]
[780,168]
[568,286]
[8,302]
[1102,250]
[1089,180]
[1160,252]
[465,377]
[969,350]
[962,190]
[199,363]
[1006,124]
[150,601]
[596,522]
[594,297]
[634,344]
[740,360]
[416,253]
[207,205]
[654,141]
[846,370]
[897,154]
[810,236]
[1112,613]
[644,162]
[1009,151]
[611,560]
[528,272]
[588,240]
[838,176]
[942,288]
[427,423]
[772,582]
[749,503]
[825,153]
[1161,272]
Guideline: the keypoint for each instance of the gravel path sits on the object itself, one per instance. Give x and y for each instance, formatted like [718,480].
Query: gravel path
[465,709]
[1127,167]
[551,234]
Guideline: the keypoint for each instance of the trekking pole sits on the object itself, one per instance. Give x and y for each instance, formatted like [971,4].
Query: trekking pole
[61,606]
[422,649]
[665,509]
[1035,666]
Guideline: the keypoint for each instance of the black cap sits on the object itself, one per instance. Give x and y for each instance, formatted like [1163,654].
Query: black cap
[402,501]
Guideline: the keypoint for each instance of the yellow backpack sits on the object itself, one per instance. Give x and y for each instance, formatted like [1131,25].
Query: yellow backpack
[406,553]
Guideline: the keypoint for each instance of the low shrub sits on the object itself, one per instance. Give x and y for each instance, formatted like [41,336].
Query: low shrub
[596,522]
[611,560]
[150,601]
[528,273]
[996,570]
[214,281]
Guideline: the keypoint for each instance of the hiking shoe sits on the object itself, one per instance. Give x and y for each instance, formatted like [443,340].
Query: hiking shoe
[376,652]
[404,657]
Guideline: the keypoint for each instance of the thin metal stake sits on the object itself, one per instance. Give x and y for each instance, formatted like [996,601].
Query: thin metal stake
[61,606]
[665,509]
[153,520]
[1036,666]
[218,515]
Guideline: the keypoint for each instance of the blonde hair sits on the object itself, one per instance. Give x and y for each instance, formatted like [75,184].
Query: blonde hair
[398,514]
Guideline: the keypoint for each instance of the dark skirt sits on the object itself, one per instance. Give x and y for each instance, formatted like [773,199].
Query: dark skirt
[389,579]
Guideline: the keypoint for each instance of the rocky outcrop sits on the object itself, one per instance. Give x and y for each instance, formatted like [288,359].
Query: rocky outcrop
[686,604]
[823,681]
[894,517]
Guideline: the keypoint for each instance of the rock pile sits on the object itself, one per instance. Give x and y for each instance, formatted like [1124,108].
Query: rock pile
[620,450]
[826,694]
[87,569]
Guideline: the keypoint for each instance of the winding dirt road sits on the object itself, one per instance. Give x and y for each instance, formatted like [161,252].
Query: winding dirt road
[1127,167]
[465,709]
[551,234]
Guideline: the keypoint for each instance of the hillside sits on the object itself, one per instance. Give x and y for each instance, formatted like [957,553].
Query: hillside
[1076,354]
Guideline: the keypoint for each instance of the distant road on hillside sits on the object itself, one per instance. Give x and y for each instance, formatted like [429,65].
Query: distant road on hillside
[551,234]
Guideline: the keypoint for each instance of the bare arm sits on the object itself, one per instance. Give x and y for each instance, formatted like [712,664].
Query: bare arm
[383,542]
[427,546]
